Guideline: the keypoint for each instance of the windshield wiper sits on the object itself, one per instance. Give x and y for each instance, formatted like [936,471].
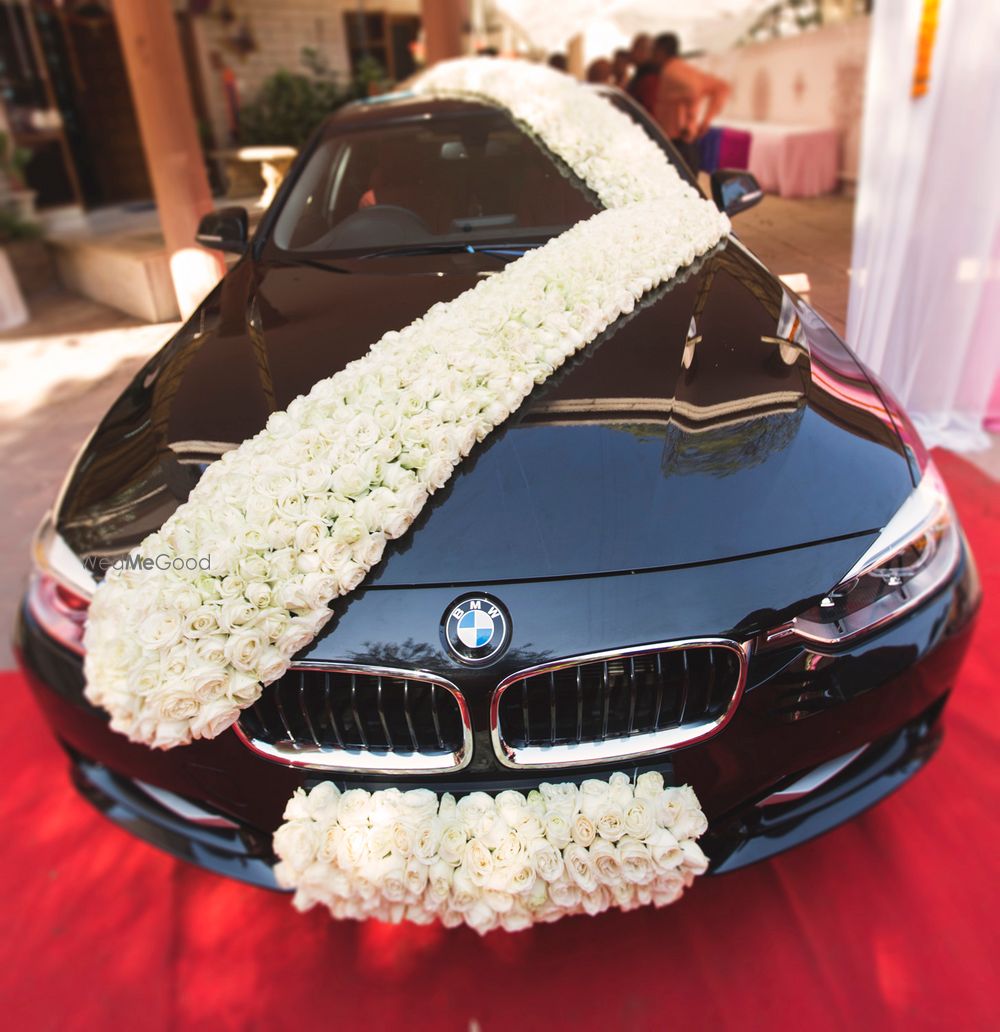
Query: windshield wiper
[511,251]
[315,263]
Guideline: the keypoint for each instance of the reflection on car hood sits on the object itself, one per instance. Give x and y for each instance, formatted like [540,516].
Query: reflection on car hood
[720,419]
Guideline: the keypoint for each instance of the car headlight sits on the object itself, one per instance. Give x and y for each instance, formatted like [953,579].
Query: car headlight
[908,562]
[60,589]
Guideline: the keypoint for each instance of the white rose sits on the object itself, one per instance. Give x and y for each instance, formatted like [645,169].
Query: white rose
[418,805]
[389,873]
[665,850]
[512,806]
[596,902]
[579,867]
[695,860]
[160,629]
[159,734]
[547,860]
[176,703]
[471,809]
[667,889]
[296,842]
[352,848]
[213,718]
[453,840]
[689,824]
[439,881]
[243,690]
[607,867]
[610,822]
[355,805]
[565,892]
[243,649]
[296,808]
[583,830]
[324,802]
[639,819]
[636,862]
[201,622]
[415,876]
[477,862]
[558,830]
[649,785]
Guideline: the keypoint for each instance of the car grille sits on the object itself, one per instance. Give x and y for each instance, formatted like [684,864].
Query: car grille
[361,719]
[616,705]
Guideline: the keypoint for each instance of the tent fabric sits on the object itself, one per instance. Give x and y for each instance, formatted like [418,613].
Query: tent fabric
[924,308]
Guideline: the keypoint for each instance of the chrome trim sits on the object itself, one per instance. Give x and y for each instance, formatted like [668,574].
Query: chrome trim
[52,555]
[184,808]
[621,748]
[369,761]
[816,778]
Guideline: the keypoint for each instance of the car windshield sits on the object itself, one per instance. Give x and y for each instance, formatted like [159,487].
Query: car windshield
[468,178]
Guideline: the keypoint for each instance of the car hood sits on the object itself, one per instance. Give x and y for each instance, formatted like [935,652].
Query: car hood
[720,419]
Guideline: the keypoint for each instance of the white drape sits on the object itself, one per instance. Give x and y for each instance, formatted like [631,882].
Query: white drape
[924,307]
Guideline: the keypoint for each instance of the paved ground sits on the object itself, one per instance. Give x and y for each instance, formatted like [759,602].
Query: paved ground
[59,373]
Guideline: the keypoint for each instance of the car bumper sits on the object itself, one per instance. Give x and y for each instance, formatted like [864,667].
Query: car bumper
[878,703]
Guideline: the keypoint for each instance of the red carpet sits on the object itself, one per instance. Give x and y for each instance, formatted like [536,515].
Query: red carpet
[888,922]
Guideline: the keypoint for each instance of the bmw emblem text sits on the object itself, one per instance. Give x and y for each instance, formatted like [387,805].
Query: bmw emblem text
[476,628]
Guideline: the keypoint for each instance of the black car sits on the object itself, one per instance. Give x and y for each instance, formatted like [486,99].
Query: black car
[712,545]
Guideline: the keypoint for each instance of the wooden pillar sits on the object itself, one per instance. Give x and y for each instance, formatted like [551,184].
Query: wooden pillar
[575,57]
[162,99]
[443,22]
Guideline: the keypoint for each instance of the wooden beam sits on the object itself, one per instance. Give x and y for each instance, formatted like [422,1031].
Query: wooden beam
[444,24]
[162,100]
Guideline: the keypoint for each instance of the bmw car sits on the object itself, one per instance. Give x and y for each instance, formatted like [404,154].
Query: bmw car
[712,545]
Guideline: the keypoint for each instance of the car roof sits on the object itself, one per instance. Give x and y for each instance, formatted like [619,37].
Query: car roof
[401,107]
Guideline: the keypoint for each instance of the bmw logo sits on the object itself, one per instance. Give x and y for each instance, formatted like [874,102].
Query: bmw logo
[476,629]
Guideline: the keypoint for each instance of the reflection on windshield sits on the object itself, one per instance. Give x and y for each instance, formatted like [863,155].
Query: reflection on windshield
[473,176]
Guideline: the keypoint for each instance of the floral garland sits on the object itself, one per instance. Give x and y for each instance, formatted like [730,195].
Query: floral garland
[298,514]
[602,145]
[509,861]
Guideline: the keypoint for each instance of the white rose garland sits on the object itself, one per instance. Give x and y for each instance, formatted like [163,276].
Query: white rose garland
[508,862]
[602,145]
[298,514]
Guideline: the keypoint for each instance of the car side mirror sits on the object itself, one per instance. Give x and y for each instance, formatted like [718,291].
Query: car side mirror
[224,230]
[734,190]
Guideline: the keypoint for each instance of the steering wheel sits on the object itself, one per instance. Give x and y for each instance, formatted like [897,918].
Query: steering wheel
[378,224]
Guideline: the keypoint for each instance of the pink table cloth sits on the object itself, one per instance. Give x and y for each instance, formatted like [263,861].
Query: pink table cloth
[791,160]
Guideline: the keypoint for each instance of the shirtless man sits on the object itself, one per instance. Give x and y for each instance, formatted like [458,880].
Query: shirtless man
[683,99]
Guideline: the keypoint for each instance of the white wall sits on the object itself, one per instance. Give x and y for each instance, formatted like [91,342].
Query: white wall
[816,78]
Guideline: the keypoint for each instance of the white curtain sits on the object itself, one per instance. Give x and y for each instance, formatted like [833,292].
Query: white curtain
[712,25]
[924,307]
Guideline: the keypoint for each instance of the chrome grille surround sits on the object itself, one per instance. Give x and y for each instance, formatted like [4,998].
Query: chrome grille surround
[621,747]
[313,750]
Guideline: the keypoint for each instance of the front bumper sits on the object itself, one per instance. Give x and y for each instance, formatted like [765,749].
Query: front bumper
[802,708]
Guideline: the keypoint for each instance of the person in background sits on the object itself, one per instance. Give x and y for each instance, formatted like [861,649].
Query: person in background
[599,72]
[560,62]
[621,68]
[683,99]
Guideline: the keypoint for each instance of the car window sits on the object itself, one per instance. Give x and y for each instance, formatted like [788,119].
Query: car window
[473,177]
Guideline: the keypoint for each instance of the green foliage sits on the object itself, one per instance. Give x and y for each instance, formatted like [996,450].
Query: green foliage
[13,159]
[290,105]
[14,227]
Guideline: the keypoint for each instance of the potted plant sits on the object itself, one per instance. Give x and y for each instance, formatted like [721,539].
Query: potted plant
[14,191]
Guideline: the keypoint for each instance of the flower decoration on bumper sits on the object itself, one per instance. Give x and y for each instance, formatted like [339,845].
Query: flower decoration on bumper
[509,861]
